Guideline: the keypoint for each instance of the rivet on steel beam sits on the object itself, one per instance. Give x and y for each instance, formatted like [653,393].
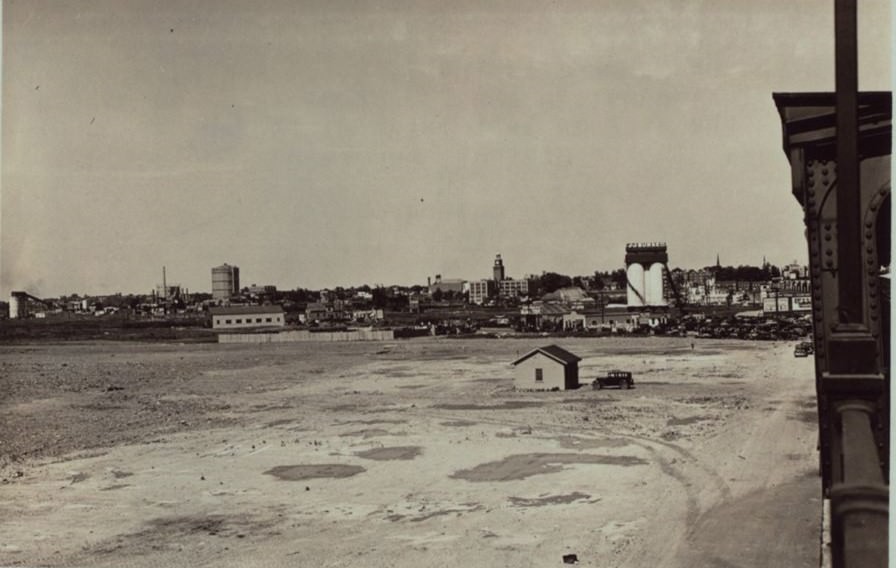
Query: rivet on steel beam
[869,235]
[827,226]
[829,263]
[829,252]
[827,237]
[874,317]
[870,261]
[868,224]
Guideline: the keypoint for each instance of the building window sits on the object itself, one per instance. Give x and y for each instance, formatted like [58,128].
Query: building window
[257,320]
[239,321]
[267,320]
[539,375]
[228,321]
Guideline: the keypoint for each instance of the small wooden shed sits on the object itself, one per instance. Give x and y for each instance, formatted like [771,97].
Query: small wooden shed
[547,368]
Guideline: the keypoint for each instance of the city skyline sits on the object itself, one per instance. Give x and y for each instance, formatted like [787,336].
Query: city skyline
[330,144]
[426,282]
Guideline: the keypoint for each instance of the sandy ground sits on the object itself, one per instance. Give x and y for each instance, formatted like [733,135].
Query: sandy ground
[409,453]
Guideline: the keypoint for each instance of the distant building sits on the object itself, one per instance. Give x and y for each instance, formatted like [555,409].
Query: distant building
[481,291]
[168,291]
[321,312]
[239,317]
[547,368]
[225,282]
[571,296]
[510,288]
[22,304]
[255,290]
[447,285]
[498,269]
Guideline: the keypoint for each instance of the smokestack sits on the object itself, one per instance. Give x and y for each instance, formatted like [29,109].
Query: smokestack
[164,284]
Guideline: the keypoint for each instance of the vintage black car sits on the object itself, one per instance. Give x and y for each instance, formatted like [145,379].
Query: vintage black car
[621,379]
[803,349]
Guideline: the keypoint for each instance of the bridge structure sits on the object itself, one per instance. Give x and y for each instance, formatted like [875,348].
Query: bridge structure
[839,146]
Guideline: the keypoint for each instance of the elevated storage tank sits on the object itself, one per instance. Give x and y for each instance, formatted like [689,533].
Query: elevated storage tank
[653,284]
[644,266]
[635,290]
[225,281]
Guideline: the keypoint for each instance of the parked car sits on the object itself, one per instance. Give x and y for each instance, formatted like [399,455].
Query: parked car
[801,351]
[621,379]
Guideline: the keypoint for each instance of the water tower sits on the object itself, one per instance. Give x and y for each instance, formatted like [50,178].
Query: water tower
[644,265]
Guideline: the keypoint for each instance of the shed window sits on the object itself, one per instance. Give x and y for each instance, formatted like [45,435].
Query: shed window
[257,320]
[267,320]
[539,375]
[229,321]
[239,321]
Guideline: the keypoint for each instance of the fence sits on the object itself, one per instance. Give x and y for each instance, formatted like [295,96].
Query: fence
[305,335]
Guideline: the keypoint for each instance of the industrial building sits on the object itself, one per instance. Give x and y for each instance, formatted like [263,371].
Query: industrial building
[645,264]
[241,317]
[21,304]
[547,368]
[225,282]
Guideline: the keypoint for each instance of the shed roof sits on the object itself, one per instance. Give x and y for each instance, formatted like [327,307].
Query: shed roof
[554,352]
[238,310]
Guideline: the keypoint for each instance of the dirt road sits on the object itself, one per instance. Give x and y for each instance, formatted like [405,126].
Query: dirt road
[412,453]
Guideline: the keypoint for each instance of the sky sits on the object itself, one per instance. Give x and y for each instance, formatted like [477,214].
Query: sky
[334,143]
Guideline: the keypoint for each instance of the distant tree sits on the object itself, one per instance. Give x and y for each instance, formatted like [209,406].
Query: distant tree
[380,297]
[619,278]
[598,281]
[551,282]
[437,295]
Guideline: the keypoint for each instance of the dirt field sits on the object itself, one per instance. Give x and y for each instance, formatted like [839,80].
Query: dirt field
[409,453]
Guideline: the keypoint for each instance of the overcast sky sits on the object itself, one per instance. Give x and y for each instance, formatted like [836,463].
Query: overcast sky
[328,143]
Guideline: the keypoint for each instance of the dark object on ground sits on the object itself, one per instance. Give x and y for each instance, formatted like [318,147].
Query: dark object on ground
[803,349]
[621,379]
[570,559]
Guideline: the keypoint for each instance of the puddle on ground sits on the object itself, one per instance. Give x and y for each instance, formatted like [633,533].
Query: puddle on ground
[521,466]
[370,433]
[575,443]
[508,405]
[551,500]
[395,453]
[314,471]
[687,421]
